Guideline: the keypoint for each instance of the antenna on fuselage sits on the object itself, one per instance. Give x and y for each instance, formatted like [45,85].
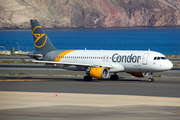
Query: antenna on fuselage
[149,49]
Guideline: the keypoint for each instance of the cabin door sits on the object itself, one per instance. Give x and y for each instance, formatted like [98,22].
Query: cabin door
[145,57]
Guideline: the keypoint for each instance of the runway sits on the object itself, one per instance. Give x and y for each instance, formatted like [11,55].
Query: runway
[71,98]
[163,86]
[46,92]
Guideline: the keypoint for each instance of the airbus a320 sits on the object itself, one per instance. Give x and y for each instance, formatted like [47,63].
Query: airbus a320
[97,63]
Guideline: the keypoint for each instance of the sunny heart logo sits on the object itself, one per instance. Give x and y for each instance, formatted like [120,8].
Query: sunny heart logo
[42,37]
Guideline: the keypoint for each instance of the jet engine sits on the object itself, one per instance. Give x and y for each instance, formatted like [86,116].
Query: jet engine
[98,72]
[139,74]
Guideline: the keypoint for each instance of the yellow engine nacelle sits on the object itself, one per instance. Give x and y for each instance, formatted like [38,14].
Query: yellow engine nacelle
[138,74]
[98,72]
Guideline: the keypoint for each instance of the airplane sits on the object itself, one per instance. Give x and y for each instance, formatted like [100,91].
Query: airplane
[97,63]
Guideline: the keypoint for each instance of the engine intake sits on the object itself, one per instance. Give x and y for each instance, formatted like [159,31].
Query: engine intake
[98,72]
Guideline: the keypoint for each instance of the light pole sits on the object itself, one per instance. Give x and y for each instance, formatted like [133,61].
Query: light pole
[18,46]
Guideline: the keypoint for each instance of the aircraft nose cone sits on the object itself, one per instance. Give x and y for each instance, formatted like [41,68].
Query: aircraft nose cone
[169,65]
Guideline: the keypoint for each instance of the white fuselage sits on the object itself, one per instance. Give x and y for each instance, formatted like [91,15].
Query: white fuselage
[120,61]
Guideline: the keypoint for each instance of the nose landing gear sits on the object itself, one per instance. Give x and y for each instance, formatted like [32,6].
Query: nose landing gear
[151,79]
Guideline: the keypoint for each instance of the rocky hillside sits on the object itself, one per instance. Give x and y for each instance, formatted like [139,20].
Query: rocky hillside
[89,13]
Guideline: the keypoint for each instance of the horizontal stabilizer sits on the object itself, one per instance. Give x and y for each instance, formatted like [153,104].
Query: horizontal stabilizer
[27,54]
[35,55]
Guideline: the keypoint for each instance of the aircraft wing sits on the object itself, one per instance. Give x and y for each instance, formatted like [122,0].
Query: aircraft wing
[74,64]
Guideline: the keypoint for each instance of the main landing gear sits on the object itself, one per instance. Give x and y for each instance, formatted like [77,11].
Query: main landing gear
[114,77]
[87,78]
[151,79]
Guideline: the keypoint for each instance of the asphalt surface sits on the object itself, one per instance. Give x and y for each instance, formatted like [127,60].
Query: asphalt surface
[167,84]
[71,98]
[47,92]
[163,86]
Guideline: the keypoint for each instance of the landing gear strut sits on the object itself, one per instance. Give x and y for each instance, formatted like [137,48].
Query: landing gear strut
[151,79]
[114,77]
[87,78]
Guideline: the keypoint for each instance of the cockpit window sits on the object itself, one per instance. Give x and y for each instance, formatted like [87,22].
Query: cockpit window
[160,58]
[163,58]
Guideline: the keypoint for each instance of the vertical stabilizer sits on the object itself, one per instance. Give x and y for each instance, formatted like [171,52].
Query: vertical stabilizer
[41,41]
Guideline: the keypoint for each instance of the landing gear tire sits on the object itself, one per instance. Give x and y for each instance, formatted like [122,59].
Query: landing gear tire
[87,78]
[114,77]
[151,80]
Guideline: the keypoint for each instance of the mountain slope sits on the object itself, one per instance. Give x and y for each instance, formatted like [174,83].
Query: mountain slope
[89,13]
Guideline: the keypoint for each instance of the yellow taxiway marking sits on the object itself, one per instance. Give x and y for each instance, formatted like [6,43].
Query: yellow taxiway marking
[21,80]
